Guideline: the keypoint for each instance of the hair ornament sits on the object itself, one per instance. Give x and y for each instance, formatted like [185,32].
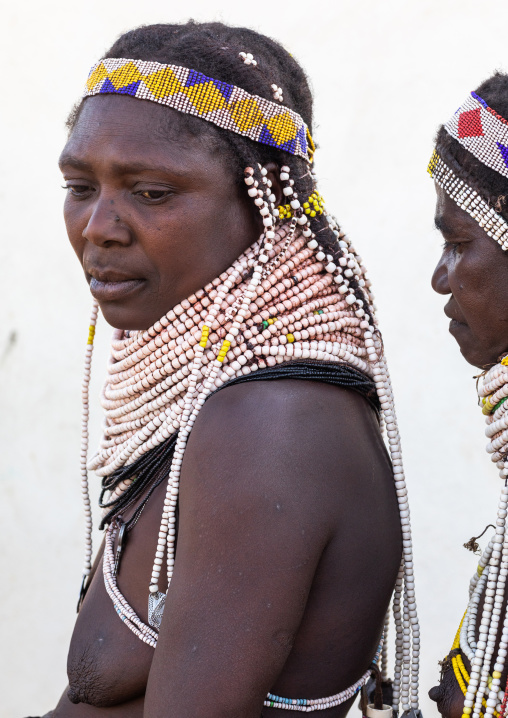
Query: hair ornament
[227,106]
[315,205]
[247,58]
[482,131]
[277,93]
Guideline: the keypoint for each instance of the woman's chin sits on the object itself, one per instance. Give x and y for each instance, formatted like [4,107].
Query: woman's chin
[479,357]
[135,319]
[473,351]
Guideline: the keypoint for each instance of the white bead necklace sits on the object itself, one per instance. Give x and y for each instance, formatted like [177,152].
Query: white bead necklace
[483,693]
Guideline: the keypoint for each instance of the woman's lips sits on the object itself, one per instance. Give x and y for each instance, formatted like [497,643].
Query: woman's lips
[456,326]
[113,290]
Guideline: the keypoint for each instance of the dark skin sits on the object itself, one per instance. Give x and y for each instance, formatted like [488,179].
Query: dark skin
[472,272]
[280,582]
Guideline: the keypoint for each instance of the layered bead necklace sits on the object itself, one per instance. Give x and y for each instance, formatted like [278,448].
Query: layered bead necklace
[483,695]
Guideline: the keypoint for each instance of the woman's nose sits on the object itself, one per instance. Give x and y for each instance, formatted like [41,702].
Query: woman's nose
[439,280]
[435,693]
[105,226]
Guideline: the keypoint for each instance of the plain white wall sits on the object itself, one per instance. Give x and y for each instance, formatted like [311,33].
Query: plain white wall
[385,74]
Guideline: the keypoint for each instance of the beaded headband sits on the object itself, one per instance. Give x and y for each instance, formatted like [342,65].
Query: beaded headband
[469,200]
[482,131]
[193,93]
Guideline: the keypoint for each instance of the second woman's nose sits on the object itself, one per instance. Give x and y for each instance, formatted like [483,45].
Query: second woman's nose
[439,280]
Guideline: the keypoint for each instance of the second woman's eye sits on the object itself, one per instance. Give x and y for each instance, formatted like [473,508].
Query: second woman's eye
[455,247]
[78,190]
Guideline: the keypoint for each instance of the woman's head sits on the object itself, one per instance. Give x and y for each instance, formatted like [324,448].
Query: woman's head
[156,196]
[473,268]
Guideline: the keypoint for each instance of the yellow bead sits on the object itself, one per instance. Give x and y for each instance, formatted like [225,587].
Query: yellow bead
[496,674]
[487,407]
[290,338]
[467,710]
[504,361]
[91,334]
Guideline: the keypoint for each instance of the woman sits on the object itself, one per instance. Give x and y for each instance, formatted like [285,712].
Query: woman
[263,588]
[470,168]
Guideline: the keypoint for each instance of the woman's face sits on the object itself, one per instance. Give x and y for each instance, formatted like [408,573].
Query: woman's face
[473,270]
[152,214]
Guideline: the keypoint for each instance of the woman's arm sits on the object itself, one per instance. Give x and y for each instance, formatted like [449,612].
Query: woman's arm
[256,512]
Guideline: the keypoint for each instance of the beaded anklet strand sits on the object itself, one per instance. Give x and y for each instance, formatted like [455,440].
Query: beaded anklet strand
[284,299]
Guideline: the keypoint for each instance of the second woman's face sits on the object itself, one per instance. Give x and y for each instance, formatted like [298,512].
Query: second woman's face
[473,273]
[152,215]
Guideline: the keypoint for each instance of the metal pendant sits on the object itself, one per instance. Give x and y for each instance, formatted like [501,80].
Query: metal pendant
[412,713]
[156,603]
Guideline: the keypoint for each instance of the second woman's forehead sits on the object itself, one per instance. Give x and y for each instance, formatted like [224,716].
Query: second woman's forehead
[125,135]
[453,222]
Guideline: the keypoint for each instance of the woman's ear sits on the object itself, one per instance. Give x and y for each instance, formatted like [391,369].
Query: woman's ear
[273,174]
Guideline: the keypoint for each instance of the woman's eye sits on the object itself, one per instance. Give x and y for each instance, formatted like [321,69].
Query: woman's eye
[154,194]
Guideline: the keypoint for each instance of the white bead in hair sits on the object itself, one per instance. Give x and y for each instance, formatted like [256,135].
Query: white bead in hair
[247,58]
[277,93]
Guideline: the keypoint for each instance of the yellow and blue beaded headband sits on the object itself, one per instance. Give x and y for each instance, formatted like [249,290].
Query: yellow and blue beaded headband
[188,91]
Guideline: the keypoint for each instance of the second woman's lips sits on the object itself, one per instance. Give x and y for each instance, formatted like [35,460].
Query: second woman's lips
[455,322]
[112,290]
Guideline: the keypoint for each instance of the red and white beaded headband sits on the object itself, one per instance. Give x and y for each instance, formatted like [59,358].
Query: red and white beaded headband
[227,106]
[482,131]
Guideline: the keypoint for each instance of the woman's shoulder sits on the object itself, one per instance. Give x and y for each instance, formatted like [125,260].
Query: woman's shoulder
[304,437]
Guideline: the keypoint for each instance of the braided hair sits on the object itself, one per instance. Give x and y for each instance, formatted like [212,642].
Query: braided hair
[490,185]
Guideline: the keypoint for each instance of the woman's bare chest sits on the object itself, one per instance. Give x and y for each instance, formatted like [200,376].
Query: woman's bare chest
[107,663]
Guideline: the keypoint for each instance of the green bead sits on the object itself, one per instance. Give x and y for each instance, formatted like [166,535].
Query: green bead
[265,324]
[499,404]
